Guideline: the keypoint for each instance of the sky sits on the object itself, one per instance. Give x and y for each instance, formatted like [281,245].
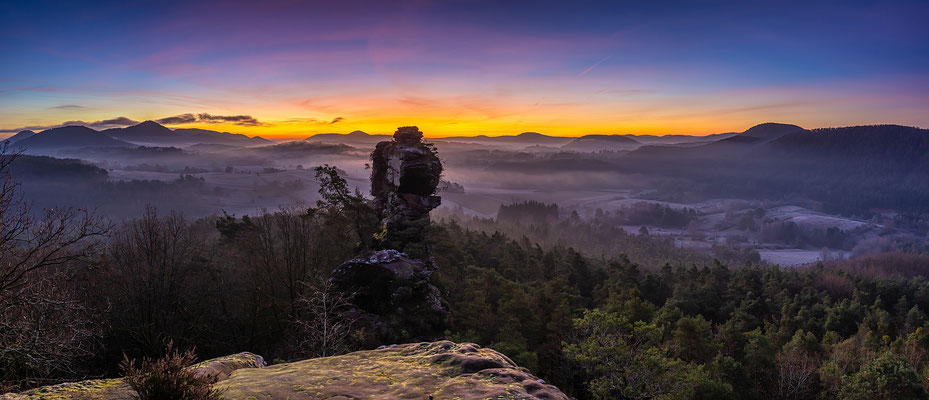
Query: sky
[290,69]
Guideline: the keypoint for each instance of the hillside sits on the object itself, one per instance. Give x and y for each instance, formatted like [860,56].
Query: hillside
[20,136]
[150,132]
[69,137]
[525,138]
[602,142]
[441,370]
[846,168]
[770,130]
[354,137]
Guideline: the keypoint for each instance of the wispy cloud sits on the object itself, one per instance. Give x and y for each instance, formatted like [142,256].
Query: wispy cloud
[315,121]
[66,107]
[177,119]
[594,65]
[244,120]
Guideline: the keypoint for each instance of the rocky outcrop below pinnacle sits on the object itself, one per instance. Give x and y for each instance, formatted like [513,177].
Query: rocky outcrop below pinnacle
[116,389]
[443,369]
[391,296]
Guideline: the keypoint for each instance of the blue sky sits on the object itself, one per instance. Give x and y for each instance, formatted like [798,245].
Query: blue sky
[467,67]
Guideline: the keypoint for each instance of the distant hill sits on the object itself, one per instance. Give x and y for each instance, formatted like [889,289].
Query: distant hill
[525,138]
[679,139]
[602,142]
[204,136]
[770,130]
[845,168]
[20,136]
[145,131]
[69,137]
[354,137]
[150,132]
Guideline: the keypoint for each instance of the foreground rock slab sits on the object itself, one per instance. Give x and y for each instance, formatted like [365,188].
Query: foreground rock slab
[442,369]
[116,389]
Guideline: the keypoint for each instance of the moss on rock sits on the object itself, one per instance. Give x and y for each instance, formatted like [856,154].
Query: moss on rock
[442,369]
[116,389]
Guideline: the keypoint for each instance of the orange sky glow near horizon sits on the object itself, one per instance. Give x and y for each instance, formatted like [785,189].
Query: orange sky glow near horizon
[290,70]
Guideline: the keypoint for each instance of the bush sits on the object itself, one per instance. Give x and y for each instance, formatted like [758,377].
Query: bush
[168,378]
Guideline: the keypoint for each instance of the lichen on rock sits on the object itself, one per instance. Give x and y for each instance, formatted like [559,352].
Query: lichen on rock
[442,369]
[116,389]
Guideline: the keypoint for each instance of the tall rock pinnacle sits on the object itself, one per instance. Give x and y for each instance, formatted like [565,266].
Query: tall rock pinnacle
[392,297]
[404,177]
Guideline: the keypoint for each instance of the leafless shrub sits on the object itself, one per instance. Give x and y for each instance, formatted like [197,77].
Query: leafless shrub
[168,378]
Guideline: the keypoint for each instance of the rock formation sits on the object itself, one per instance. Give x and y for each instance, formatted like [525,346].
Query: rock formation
[405,173]
[392,296]
[115,389]
[442,370]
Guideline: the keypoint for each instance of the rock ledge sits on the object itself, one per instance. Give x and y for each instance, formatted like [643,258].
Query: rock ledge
[442,369]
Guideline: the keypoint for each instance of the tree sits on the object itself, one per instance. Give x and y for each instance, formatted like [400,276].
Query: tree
[31,243]
[887,377]
[44,329]
[324,325]
[624,361]
[158,271]
[341,203]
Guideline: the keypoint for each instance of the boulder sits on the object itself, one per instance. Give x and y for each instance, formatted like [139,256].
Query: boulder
[391,296]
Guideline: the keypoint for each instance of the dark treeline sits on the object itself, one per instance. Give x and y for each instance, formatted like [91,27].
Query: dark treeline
[528,213]
[599,236]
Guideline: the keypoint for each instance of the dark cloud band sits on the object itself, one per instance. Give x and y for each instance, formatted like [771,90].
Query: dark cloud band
[244,120]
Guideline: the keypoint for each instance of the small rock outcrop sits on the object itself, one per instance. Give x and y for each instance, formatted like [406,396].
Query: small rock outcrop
[392,297]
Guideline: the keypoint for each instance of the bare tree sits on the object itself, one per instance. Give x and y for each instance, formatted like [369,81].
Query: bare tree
[157,268]
[44,330]
[324,324]
[29,242]
[798,374]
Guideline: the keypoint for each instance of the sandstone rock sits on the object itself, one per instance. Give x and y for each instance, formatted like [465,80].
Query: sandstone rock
[116,389]
[405,173]
[442,369]
[223,366]
[392,296]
